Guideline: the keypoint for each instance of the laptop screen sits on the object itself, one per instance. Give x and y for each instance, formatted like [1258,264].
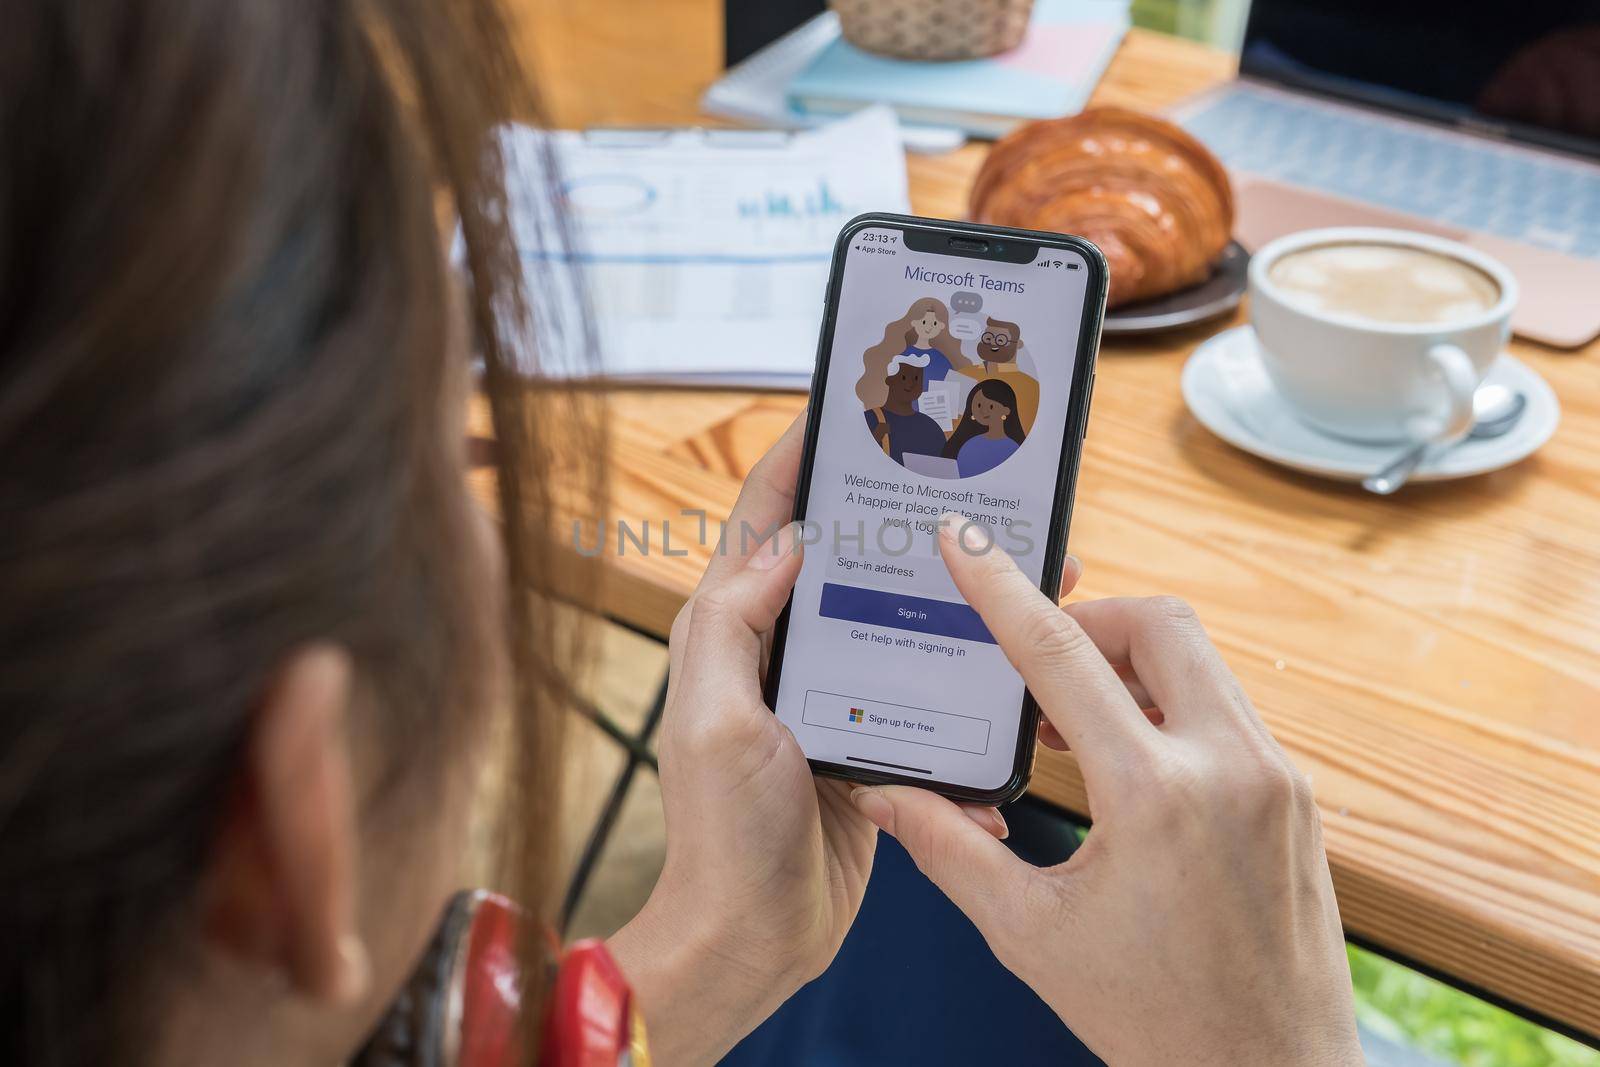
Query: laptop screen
[1527,70]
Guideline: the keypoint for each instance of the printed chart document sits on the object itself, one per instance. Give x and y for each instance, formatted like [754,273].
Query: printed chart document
[705,253]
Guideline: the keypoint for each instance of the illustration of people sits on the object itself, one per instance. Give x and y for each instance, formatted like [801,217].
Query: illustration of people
[924,331]
[989,431]
[997,349]
[889,392]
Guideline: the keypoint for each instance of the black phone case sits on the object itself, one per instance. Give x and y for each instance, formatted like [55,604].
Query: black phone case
[1066,477]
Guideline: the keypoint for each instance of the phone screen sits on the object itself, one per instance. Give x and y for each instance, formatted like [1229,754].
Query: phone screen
[948,387]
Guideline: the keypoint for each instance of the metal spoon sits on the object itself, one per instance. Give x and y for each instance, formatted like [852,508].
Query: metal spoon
[1495,410]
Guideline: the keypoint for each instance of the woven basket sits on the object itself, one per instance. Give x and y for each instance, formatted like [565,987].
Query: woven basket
[933,29]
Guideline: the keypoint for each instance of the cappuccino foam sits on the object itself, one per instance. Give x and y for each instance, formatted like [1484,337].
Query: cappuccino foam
[1384,283]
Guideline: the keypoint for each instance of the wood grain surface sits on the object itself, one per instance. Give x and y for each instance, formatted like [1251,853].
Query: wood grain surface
[1432,660]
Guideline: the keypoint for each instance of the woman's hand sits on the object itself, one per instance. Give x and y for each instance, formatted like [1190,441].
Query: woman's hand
[1197,923]
[765,864]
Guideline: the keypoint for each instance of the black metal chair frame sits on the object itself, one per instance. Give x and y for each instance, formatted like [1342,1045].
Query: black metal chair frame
[636,751]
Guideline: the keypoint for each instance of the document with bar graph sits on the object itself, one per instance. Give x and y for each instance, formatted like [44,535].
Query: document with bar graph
[705,252]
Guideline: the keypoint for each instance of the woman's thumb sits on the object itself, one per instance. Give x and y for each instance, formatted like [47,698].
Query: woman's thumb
[977,872]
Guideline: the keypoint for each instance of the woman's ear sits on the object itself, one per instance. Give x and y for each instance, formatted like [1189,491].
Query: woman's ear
[281,886]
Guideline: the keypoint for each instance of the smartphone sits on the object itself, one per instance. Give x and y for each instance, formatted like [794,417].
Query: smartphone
[954,373]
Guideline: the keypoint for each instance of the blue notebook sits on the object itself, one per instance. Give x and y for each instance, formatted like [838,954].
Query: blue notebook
[1049,75]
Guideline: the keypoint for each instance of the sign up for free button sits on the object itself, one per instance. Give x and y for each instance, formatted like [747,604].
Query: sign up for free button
[897,722]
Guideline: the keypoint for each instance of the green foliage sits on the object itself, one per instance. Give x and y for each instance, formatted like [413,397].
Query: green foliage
[1401,1004]
[1155,15]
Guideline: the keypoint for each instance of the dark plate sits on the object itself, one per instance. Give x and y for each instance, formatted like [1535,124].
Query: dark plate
[1217,295]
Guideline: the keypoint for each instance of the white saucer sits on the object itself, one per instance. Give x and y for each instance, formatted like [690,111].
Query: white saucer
[1228,390]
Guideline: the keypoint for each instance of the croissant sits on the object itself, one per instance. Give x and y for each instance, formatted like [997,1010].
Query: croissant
[1152,197]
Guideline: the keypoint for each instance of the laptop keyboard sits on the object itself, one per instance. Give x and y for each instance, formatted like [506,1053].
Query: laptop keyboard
[1449,178]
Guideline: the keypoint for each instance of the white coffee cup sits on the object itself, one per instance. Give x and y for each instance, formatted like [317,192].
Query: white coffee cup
[1368,380]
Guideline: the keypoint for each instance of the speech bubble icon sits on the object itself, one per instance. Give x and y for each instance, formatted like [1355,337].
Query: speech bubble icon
[966,327]
[965,303]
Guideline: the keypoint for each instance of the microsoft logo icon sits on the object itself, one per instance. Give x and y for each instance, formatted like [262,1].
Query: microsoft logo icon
[856,714]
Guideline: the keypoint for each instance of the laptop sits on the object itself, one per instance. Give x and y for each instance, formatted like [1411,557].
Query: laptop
[1473,121]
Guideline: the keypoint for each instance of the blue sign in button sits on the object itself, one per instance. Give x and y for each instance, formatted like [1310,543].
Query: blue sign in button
[901,611]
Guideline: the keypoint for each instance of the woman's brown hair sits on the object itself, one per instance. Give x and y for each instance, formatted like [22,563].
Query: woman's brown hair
[897,336]
[225,343]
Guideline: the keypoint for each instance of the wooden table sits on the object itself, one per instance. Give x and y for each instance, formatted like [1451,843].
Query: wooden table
[1432,660]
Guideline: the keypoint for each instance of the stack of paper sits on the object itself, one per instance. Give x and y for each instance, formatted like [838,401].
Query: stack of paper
[705,253]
